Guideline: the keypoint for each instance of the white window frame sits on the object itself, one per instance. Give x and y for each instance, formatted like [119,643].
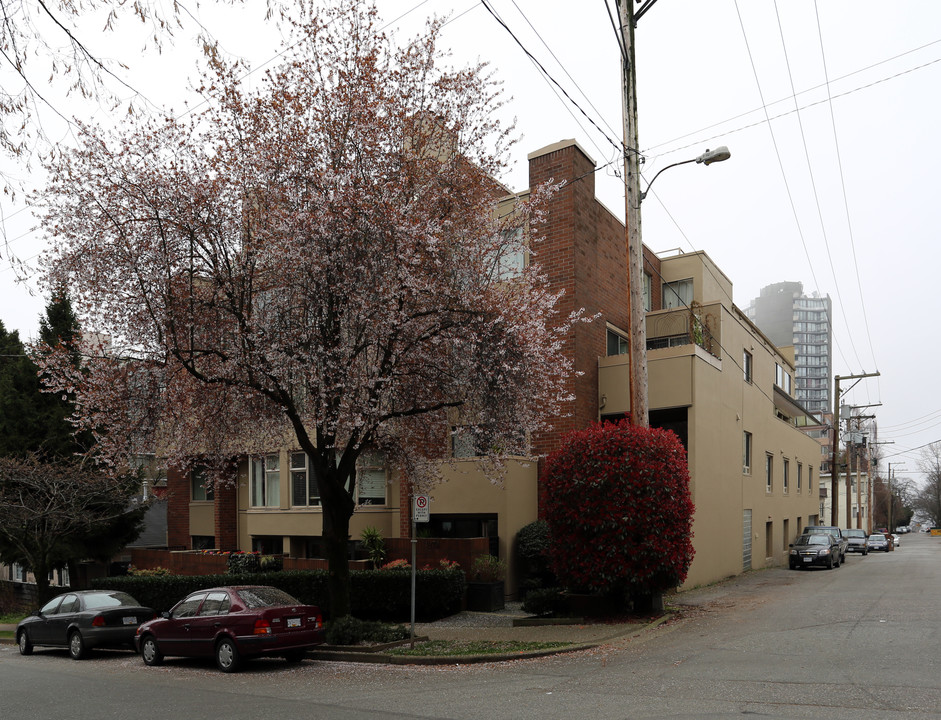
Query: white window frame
[785,478]
[265,482]
[769,473]
[300,465]
[371,475]
[677,294]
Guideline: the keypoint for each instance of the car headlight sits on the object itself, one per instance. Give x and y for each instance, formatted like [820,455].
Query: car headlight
[823,551]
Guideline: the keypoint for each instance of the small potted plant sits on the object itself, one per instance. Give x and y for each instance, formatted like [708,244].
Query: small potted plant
[485,584]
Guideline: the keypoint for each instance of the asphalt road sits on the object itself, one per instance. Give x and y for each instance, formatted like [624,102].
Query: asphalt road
[860,641]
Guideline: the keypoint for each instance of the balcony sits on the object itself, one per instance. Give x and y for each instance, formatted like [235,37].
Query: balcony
[696,325]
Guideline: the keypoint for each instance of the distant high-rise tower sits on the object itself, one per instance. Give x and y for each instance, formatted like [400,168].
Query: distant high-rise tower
[788,317]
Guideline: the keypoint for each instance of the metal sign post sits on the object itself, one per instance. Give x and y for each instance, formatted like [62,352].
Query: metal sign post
[419,514]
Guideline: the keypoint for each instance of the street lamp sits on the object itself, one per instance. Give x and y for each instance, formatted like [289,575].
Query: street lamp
[720,154]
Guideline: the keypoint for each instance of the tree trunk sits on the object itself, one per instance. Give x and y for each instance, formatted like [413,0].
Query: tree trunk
[43,589]
[336,534]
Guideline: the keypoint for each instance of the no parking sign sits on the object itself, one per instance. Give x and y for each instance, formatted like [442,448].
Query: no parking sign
[420,512]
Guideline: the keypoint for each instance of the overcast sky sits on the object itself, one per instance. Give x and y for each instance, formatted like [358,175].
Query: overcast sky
[830,110]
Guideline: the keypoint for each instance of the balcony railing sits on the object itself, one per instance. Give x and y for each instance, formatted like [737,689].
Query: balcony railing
[695,325]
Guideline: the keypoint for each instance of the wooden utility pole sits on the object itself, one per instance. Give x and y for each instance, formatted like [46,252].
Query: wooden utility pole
[637,346]
[835,455]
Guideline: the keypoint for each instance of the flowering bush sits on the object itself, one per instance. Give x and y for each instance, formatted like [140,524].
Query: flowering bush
[396,565]
[446,564]
[148,572]
[619,510]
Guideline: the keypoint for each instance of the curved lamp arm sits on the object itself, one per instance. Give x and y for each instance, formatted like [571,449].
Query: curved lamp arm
[707,158]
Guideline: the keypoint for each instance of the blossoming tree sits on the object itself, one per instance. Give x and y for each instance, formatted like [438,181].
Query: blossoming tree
[315,261]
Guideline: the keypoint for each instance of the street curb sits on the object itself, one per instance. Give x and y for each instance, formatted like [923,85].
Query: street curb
[365,656]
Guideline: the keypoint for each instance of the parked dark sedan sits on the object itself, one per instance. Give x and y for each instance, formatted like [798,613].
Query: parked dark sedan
[878,541]
[233,623]
[83,620]
[814,549]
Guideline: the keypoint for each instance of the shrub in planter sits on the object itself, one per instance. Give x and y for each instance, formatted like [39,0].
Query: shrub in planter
[619,510]
[374,545]
[240,563]
[487,568]
[352,631]
[546,602]
[532,547]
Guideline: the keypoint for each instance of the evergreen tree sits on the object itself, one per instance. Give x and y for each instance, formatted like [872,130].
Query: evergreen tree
[20,424]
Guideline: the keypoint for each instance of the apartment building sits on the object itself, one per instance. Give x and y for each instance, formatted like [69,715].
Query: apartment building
[792,318]
[714,378]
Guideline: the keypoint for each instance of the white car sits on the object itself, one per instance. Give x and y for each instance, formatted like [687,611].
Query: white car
[897,539]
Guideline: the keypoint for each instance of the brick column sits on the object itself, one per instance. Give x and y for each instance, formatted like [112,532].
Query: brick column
[178,509]
[225,512]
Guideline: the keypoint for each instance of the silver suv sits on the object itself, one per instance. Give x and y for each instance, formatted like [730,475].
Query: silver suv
[857,541]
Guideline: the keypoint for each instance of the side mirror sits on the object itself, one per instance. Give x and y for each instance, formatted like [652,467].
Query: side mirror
[165,615]
[791,545]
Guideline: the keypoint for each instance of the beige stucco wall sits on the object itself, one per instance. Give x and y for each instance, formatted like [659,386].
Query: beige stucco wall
[465,489]
[723,408]
[202,521]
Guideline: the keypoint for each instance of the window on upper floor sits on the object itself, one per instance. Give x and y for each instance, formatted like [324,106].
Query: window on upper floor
[648,292]
[266,481]
[371,479]
[303,485]
[677,294]
[782,378]
[769,472]
[785,476]
[617,343]
[200,489]
[747,361]
[800,475]
[510,257]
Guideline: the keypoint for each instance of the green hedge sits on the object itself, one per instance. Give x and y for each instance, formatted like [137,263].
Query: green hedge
[375,594]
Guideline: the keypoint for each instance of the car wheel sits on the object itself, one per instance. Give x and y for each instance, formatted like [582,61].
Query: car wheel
[24,643]
[865,553]
[227,655]
[295,656]
[149,651]
[829,562]
[76,646]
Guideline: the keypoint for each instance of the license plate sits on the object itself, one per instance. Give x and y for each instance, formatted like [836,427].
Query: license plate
[130,620]
[808,559]
[294,622]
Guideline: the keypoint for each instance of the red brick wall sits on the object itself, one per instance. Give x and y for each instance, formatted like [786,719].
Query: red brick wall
[178,509]
[430,551]
[583,250]
[225,515]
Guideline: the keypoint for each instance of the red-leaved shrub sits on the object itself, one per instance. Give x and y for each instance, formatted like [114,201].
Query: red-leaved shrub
[618,505]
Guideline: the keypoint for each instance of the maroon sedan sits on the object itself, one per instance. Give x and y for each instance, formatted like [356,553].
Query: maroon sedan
[232,623]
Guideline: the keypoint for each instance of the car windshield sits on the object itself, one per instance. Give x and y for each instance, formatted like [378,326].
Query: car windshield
[877,537]
[854,533]
[813,540]
[259,597]
[101,600]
